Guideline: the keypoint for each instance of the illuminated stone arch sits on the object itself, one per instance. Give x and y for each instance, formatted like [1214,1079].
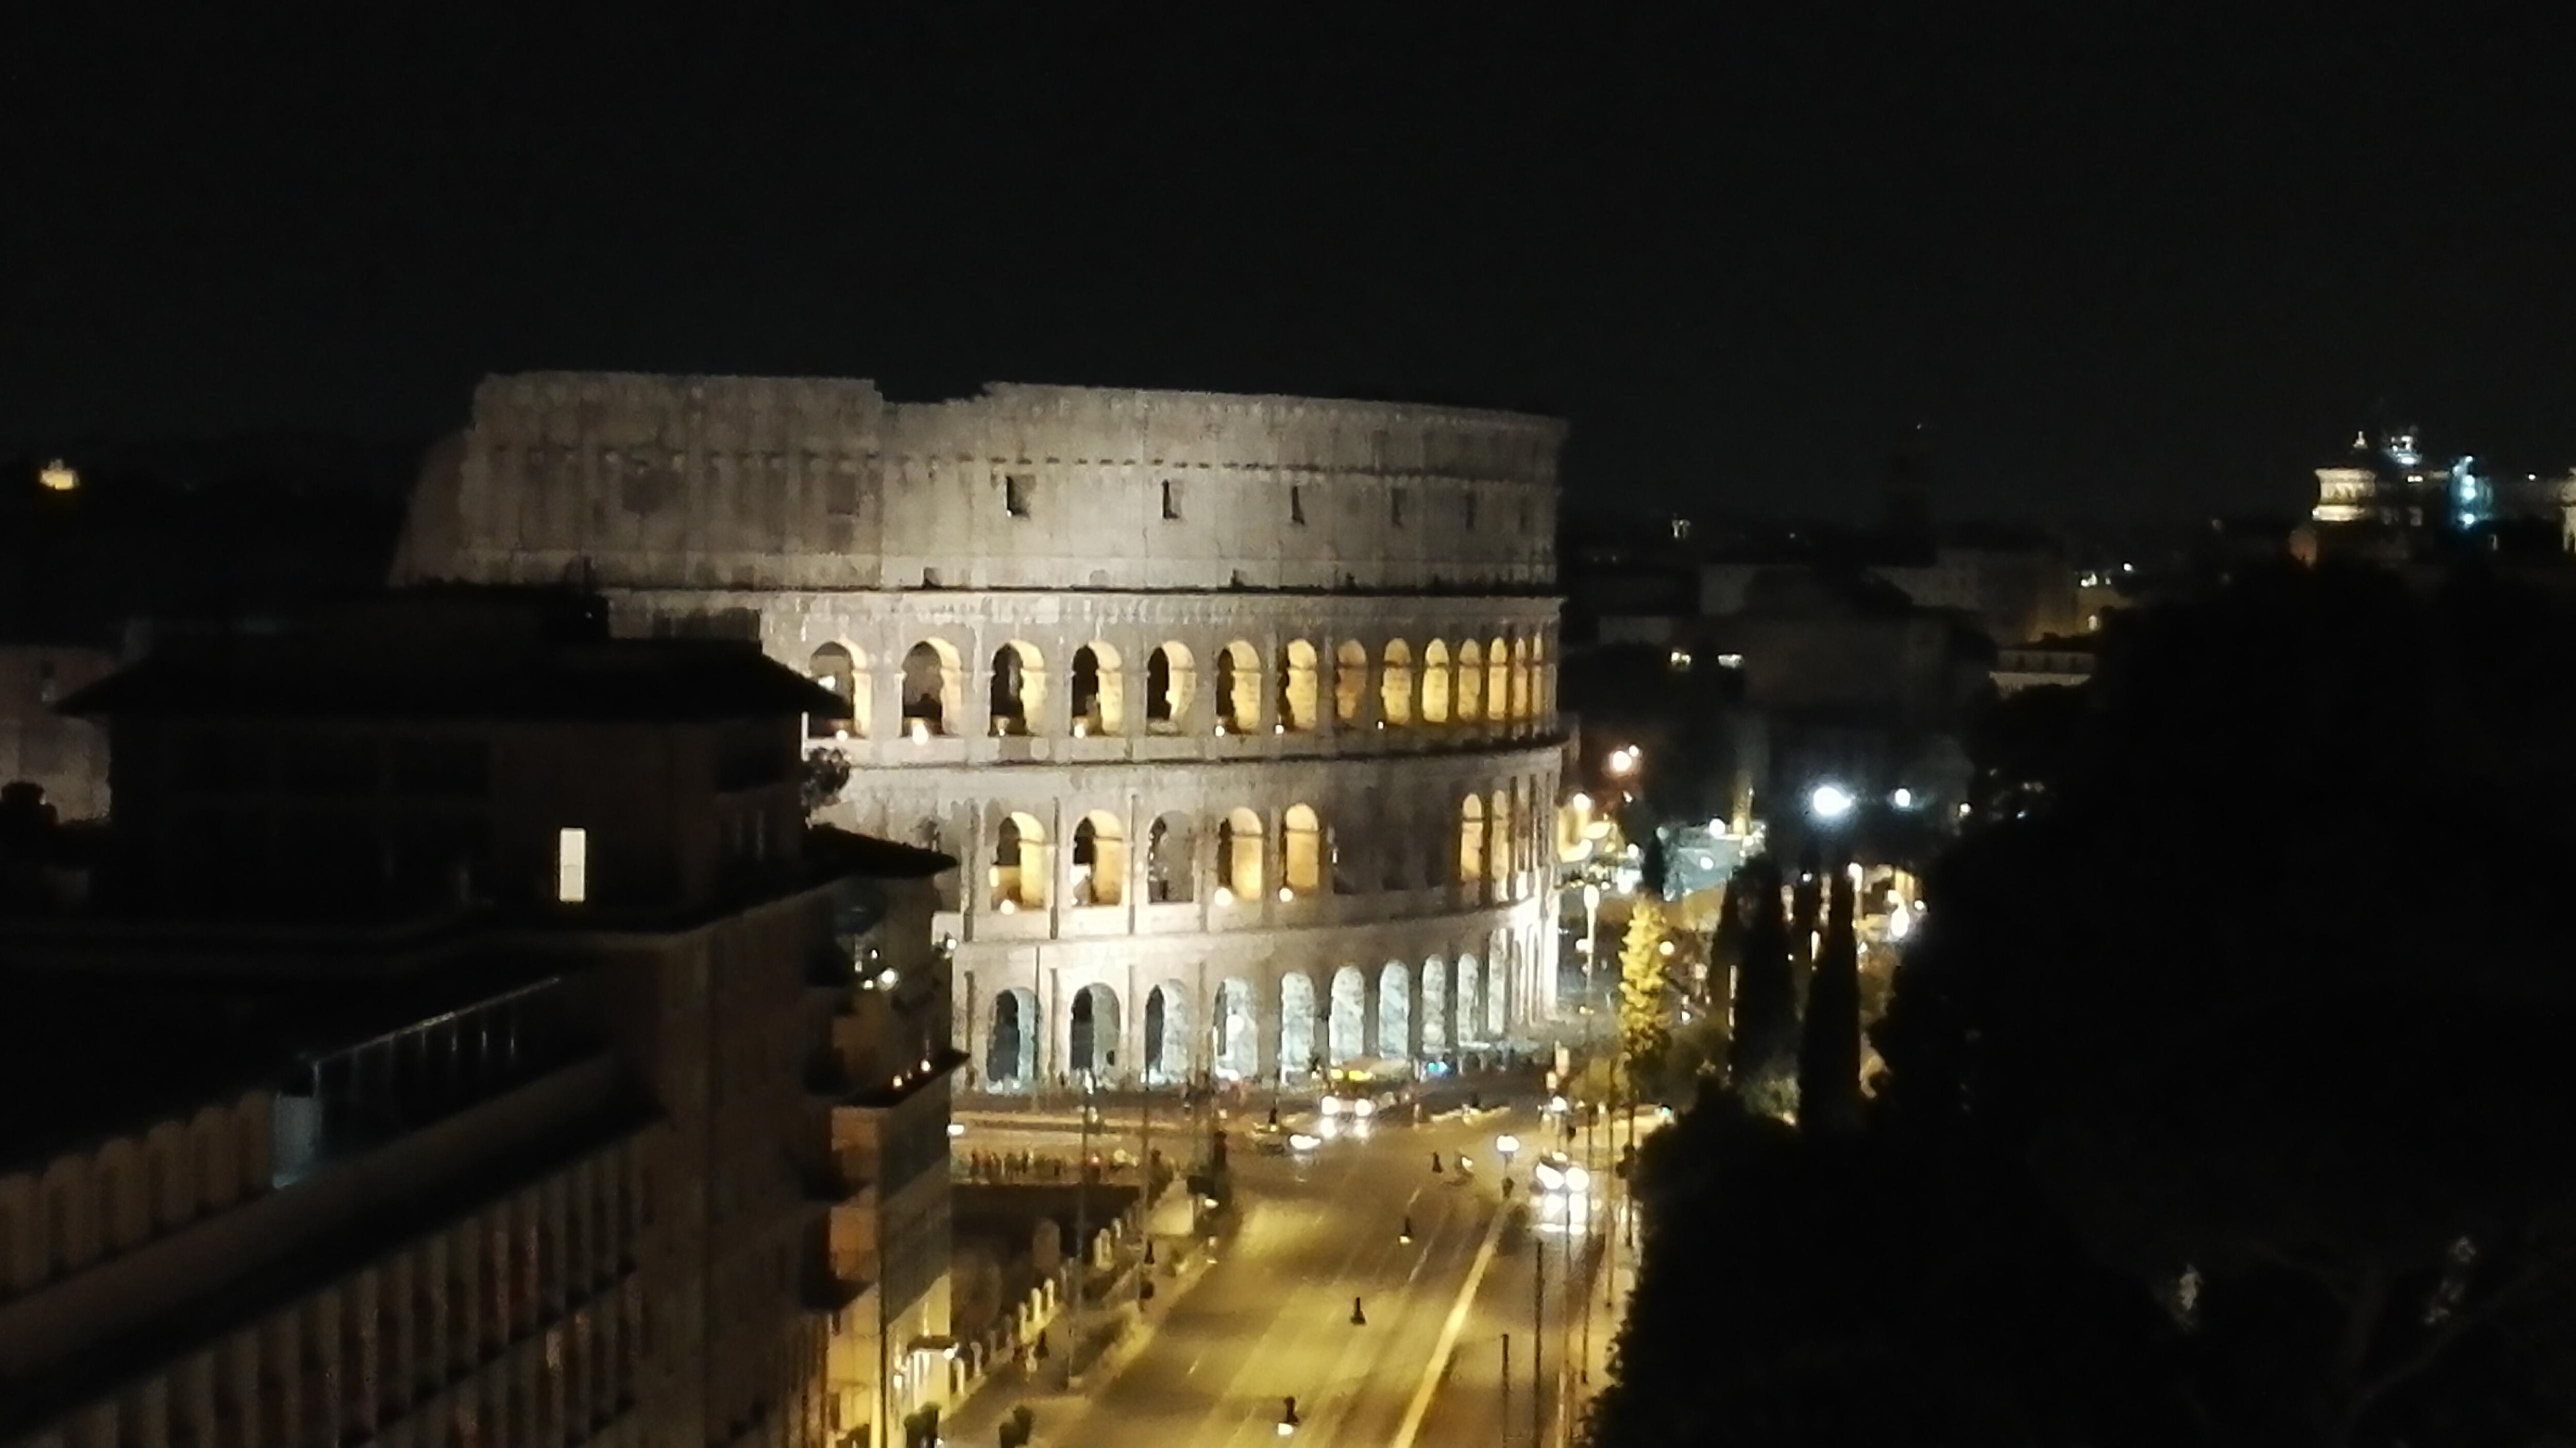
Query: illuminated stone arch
[1019,687]
[1300,684]
[1167,1032]
[1394,1009]
[1350,682]
[1238,854]
[1011,1045]
[1346,1031]
[1099,690]
[1471,840]
[1435,1006]
[930,688]
[1298,1047]
[1395,686]
[1238,689]
[1301,850]
[1235,1024]
[1021,864]
[1469,987]
[1498,675]
[1521,678]
[1170,681]
[842,670]
[1171,866]
[1092,1032]
[1435,682]
[1471,682]
[1099,860]
[1500,860]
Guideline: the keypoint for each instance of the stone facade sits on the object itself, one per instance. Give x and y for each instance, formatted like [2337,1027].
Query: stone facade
[1241,710]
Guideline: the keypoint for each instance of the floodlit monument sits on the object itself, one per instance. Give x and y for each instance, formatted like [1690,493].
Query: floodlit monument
[1240,710]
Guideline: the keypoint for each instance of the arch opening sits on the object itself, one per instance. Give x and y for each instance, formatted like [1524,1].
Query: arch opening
[1238,689]
[1350,682]
[1018,875]
[1168,680]
[1092,1049]
[1297,686]
[1099,860]
[1498,674]
[930,683]
[1167,1033]
[1098,691]
[1301,851]
[1435,1007]
[1019,686]
[1394,1010]
[838,669]
[1238,854]
[1297,1044]
[1435,682]
[1236,1048]
[1395,686]
[1471,840]
[1170,874]
[1471,1001]
[1011,1051]
[1346,1031]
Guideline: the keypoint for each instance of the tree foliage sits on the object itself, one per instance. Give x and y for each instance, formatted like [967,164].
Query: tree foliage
[1761,1059]
[2223,1101]
[1647,1000]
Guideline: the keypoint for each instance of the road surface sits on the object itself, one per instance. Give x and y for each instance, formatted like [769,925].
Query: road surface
[1272,1318]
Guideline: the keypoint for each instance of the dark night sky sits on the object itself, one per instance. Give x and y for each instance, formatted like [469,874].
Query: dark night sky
[2117,259]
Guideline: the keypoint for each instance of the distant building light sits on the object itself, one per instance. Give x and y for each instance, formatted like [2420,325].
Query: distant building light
[1830,801]
[1730,661]
[1902,799]
[1680,659]
[58,477]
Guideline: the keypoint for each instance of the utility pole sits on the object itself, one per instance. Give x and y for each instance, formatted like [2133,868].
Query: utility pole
[1538,1337]
[1507,1388]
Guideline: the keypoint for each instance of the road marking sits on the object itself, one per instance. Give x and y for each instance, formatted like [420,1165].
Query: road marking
[1420,1407]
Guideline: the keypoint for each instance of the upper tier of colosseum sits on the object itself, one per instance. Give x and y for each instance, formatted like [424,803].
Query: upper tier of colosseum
[636,481]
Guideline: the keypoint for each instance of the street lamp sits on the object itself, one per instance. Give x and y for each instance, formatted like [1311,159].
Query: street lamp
[1830,801]
[1624,759]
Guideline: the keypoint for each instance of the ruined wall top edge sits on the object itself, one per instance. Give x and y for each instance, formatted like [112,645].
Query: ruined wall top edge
[848,412]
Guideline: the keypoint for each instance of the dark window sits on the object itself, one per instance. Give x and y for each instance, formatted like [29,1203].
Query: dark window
[328,766]
[1171,501]
[1297,505]
[1395,507]
[442,768]
[1018,490]
[1470,501]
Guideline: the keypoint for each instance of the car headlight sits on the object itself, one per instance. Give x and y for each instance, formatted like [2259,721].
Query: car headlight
[1331,1105]
[1364,1109]
[1302,1142]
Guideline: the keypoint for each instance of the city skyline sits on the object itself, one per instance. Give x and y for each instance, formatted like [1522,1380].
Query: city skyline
[2108,268]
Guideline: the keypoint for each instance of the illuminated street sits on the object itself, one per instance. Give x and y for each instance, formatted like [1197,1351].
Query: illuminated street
[1272,1318]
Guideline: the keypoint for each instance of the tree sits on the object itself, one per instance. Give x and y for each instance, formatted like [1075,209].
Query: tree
[1829,1047]
[826,774]
[2309,1101]
[1646,996]
[1759,1061]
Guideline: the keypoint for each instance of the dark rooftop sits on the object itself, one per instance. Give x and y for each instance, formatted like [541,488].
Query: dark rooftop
[457,654]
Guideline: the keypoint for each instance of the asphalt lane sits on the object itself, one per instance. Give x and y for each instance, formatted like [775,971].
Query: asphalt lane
[1272,1318]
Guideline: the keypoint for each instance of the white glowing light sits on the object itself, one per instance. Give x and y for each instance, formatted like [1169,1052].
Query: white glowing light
[1902,799]
[956,1129]
[1364,1108]
[1830,801]
[1507,1143]
[1330,1106]
[1577,1179]
[1548,1177]
[1301,1141]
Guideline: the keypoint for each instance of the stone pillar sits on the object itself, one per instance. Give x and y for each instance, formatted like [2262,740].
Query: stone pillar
[1374,977]
[1413,1011]
[1269,1016]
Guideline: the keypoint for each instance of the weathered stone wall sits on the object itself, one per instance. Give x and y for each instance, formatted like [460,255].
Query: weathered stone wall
[733,482]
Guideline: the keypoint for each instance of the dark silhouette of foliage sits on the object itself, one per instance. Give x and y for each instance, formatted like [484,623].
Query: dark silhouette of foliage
[2224,1101]
[1829,1044]
[1766,990]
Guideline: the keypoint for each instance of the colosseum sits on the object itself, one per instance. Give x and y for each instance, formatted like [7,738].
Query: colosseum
[1239,711]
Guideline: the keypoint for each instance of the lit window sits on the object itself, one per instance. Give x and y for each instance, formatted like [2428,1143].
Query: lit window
[1680,660]
[572,865]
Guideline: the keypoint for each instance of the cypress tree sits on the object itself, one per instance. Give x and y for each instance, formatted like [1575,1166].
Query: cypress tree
[1829,1052]
[1761,1055]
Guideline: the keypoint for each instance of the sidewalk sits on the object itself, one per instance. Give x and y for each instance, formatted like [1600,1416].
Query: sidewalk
[1041,1386]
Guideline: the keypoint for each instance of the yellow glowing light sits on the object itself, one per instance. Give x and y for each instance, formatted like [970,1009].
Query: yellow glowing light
[58,477]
